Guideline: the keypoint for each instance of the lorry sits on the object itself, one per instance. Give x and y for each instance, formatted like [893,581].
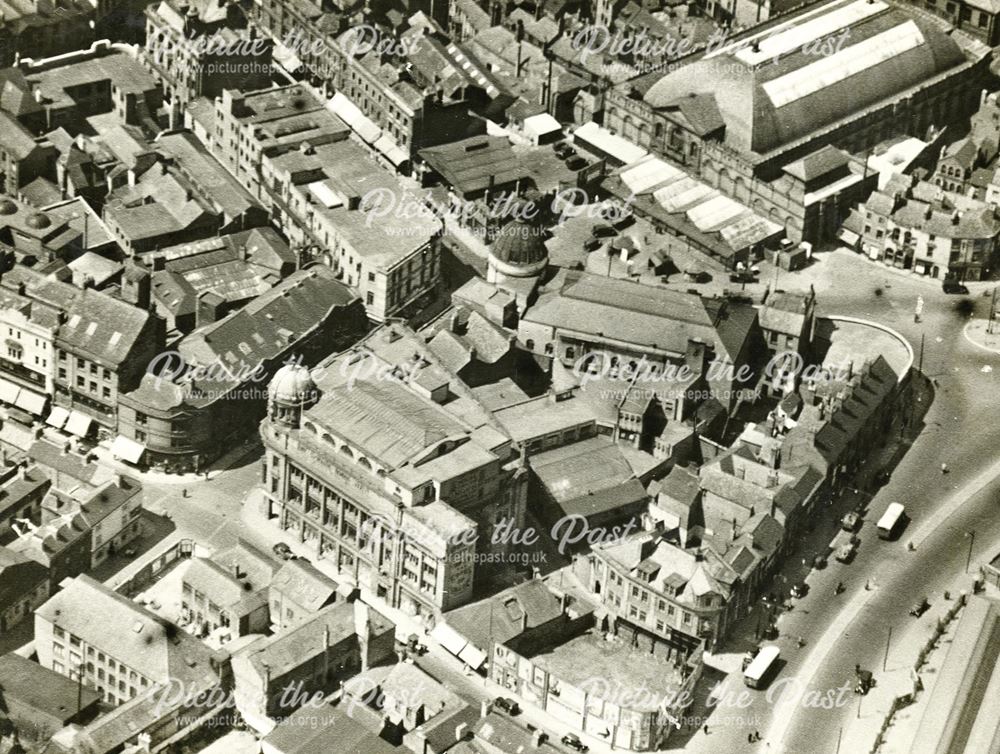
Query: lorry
[891,521]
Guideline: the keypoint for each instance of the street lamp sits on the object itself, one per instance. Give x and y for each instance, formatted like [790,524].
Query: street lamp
[968,558]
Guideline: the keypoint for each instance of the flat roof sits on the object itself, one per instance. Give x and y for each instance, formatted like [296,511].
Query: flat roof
[603,667]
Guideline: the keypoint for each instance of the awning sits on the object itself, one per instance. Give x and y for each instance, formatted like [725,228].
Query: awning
[286,58]
[33,403]
[448,638]
[8,391]
[472,656]
[126,449]
[597,139]
[57,418]
[78,424]
[848,236]
[348,112]
[389,149]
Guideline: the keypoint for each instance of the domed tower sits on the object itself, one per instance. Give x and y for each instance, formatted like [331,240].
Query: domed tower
[518,251]
[291,392]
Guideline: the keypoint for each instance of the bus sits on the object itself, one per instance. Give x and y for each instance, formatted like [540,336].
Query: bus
[888,525]
[759,672]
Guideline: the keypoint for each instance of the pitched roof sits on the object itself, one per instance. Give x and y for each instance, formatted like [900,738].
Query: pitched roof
[24,683]
[824,160]
[772,88]
[129,633]
[283,652]
[19,576]
[507,614]
[261,331]
[221,587]
[304,584]
[644,315]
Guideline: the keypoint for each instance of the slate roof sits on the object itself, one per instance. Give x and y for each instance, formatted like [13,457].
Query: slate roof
[700,112]
[817,164]
[222,588]
[469,165]
[15,139]
[27,684]
[291,648]
[19,576]
[129,633]
[302,583]
[259,332]
[98,326]
[505,615]
[641,314]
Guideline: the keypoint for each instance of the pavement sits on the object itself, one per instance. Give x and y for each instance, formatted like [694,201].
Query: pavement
[978,333]
[437,662]
[943,508]
[155,477]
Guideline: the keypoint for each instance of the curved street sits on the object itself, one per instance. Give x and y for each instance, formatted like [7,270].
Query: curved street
[852,629]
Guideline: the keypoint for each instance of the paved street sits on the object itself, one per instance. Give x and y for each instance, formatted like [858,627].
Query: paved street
[846,284]
[839,631]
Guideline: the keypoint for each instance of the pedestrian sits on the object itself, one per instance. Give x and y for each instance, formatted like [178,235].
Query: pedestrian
[749,738]
[706,730]
[756,735]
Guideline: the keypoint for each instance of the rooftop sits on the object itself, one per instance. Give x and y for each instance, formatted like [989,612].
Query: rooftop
[283,652]
[387,223]
[643,315]
[776,92]
[603,667]
[128,632]
[56,83]
[24,683]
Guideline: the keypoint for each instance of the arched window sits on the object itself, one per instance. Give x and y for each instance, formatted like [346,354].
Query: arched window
[364,463]
[346,451]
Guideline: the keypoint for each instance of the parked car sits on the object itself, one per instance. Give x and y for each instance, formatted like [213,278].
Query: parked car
[573,742]
[850,521]
[564,150]
[742,277]
[506,704]
[819,561]
[846,551]
[283,551]
[920,608]
[576,163]
[800,590]
[953,286]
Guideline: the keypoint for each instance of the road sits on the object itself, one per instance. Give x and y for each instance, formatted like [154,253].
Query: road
[211,512]
[857,622]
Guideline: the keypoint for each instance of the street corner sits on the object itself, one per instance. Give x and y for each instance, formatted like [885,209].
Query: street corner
[984,334]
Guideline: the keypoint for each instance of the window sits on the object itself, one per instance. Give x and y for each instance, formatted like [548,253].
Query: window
[80,382]
[371,277]
[106,392]
[140,419]
[370,298]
